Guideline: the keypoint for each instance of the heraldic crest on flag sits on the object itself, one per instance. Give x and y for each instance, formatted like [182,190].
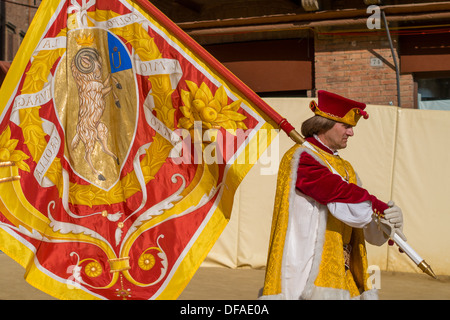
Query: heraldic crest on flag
[104,118]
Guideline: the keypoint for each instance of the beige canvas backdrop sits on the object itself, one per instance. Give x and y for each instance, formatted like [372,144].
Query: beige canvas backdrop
[399,154]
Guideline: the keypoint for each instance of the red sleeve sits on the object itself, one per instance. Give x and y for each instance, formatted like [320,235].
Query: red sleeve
[319,183]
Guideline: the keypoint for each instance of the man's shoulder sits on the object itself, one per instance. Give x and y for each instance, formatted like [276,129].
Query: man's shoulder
[301,154]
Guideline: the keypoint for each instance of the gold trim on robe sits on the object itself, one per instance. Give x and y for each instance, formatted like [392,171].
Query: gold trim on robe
[326,273]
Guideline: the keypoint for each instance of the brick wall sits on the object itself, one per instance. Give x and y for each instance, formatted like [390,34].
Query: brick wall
[343,66]
[18,16]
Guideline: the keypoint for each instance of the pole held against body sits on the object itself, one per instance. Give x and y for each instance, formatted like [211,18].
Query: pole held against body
[405,247]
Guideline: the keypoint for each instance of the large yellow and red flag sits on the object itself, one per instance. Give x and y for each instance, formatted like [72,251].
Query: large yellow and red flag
[129,140]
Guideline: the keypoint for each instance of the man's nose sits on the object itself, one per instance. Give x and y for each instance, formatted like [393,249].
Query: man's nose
[350,132]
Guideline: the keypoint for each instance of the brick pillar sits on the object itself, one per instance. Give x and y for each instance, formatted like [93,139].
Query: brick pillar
[343,66]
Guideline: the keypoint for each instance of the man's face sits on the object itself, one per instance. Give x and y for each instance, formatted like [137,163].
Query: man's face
[336,138]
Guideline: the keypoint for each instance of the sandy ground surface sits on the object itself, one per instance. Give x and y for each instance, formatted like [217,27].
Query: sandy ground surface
[238,284]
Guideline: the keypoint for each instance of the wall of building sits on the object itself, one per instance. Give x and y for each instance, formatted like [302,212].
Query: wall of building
[360,67]
[16,18]
[350,62]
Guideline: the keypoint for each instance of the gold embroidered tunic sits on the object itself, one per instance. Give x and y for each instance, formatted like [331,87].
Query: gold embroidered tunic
[306,255]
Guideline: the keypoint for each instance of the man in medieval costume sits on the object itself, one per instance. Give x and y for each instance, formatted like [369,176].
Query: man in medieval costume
[322,216]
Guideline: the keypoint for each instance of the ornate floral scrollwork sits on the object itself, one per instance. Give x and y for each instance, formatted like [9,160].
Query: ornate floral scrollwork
[146,261]
[93,269]
[212,111]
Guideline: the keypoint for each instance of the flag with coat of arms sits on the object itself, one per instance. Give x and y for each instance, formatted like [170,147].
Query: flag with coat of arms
[122,142]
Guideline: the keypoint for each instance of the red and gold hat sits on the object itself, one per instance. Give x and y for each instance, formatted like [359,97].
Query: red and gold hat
[338,108]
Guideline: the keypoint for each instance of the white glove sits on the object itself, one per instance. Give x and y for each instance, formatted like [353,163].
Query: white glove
[394,215]
[393,220]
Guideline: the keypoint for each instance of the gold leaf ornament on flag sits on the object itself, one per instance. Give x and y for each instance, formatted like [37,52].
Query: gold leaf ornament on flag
[213,111]
[8,151]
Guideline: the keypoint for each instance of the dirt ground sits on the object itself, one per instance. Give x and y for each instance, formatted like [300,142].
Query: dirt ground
[221,283]
[238,284]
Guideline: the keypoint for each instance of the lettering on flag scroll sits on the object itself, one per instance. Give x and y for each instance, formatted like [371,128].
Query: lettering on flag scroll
[129,140]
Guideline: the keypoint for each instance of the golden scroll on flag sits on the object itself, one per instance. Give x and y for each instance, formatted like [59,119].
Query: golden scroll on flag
[130,141]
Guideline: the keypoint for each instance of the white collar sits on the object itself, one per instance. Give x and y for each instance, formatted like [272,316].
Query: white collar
[334,152]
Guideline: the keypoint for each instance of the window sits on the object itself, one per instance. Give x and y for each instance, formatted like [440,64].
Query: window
[22,36]
[425,54]
[10,35]
[433,92]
